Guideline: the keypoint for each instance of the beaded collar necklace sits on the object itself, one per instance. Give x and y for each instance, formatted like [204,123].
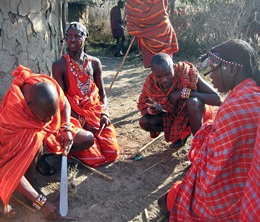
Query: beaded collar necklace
[82,75]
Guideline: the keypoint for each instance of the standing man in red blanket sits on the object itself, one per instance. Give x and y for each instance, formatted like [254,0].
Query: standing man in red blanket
[80,76]
[117,27]
[222,150]
[173,100]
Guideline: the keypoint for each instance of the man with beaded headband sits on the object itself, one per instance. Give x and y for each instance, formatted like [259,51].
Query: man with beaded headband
[80,76]
[174,100]
[222,150]
[33,111]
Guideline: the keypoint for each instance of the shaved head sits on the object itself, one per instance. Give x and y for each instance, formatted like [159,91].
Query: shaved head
[162,61]
[43,100]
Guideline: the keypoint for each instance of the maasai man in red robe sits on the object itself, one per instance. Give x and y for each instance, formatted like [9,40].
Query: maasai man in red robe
[173,100]
[80,76]
[32,111]
[222,150]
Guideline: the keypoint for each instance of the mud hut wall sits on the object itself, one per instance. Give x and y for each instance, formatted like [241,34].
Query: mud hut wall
[29,36]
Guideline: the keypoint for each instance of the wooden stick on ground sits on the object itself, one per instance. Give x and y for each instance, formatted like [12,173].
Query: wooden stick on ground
[162,218]
[24,202]
[92,169]
[108,91]
[145,146]
[151,167]
[146,215]
[99,173]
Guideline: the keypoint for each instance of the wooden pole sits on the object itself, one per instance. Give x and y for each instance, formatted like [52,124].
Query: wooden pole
[129,47]
[61,28]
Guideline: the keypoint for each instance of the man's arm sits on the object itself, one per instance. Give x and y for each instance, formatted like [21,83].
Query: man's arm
[58,72]
[206,93]
[49,211]
[98,78]
[97,69]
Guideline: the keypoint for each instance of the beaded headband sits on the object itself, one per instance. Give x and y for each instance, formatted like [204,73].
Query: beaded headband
[217,62]
[77,26]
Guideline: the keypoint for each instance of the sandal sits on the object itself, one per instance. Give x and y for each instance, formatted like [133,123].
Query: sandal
[179,143]
[44,168]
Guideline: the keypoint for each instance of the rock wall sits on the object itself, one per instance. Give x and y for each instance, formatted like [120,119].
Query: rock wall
[29,36]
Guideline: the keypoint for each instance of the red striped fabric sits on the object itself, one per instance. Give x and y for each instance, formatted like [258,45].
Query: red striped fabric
[21,134]
[221,154]
[105,148]
[149,22]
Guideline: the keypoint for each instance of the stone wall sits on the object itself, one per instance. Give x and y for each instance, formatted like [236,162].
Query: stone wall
[29,36]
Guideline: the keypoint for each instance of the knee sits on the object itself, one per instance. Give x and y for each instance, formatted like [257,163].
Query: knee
[87,139]
[143,122]
[162,204]
[195,106]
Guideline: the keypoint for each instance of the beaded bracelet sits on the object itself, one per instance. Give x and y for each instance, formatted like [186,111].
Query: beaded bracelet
[39,202]
[185,93]
[65,127]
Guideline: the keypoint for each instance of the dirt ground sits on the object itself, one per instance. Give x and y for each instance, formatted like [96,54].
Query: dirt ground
[136,184]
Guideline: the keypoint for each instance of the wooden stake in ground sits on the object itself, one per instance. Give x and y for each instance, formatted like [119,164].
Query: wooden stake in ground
[129,47]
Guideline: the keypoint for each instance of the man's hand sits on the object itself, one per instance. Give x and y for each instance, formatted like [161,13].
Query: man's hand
[174,96]
[50,212]
[66,141]
[104,119]
[154,107]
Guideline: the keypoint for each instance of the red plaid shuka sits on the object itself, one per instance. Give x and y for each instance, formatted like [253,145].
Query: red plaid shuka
[250,209]
[149,22]
[221,154]
[176,118]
